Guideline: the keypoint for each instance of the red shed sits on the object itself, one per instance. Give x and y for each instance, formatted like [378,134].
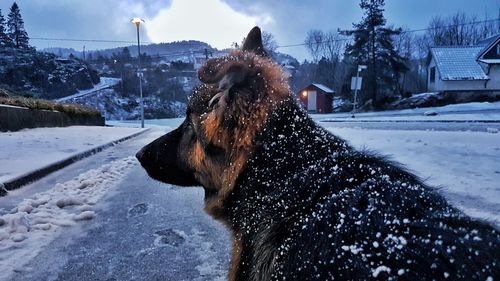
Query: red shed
[317,98]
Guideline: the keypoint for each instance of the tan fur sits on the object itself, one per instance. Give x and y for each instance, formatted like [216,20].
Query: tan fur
[250,116]
[235,257]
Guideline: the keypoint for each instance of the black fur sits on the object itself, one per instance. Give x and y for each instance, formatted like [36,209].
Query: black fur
[310,207]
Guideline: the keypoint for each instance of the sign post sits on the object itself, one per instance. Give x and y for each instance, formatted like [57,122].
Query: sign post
[356,86]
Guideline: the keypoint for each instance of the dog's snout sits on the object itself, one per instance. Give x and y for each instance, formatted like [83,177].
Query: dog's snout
[140,154]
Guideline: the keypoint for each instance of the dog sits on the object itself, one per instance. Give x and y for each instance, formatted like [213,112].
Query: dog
[300,202]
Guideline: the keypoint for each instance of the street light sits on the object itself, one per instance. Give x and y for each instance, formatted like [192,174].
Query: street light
[137,22]
[356,84]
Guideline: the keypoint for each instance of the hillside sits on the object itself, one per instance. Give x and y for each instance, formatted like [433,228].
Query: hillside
[170,51]
[44,75]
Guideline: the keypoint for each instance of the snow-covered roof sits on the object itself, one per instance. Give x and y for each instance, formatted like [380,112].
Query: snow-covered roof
[458,63]
[488,41]
[488,44]
[323,88]
[490,61]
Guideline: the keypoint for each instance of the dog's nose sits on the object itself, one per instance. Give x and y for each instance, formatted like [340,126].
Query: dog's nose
[140,154]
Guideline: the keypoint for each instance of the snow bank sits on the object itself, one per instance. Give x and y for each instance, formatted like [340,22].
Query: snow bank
[38,220]
[28,150]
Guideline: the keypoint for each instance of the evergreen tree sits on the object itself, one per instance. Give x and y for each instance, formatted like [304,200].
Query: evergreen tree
[373,46]
[4,38]
[125,56]
[15,25]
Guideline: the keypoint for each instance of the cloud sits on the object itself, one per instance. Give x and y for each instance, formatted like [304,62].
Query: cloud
[211,21]
[218,22]
[89,19]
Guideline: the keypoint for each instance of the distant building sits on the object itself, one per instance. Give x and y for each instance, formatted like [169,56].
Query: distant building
[316,98]
[465,68]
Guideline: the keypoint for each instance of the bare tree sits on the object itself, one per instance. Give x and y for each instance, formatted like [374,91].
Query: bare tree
[269,43]
[314,41]
[459,30]
[326,49]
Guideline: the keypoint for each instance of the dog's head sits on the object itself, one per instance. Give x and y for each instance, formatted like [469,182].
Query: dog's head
[223,118]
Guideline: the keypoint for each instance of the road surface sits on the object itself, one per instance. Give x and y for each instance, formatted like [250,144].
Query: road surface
[104,83]
[475,126]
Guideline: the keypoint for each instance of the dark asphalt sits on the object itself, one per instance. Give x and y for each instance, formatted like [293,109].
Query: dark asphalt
[414,125]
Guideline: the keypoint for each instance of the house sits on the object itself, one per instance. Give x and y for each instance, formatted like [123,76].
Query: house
[316,98]
[465,68]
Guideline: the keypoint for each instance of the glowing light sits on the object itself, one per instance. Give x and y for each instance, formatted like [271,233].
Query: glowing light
[137,21]
[304,94]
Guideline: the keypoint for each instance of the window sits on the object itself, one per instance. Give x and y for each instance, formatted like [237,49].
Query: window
[498,49]
[433,74]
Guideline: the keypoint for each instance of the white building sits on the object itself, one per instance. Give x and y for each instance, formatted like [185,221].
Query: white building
[465,68]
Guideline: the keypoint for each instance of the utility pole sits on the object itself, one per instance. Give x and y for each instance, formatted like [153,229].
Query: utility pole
[83,52]
[137,22]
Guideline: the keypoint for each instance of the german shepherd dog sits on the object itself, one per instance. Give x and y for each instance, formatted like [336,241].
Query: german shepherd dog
[301,203]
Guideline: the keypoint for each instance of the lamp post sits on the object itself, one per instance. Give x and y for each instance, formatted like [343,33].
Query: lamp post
[137,22]
[356,87]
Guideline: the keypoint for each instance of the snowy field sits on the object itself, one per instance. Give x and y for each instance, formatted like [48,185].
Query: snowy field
[31,149]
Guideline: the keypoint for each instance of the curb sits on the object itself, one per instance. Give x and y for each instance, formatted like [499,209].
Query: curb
[44,171]
[408,121]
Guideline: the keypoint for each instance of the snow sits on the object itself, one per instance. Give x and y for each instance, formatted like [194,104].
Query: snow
[104,83]
[324,88]
[31,149]
[39,219]
[380,269]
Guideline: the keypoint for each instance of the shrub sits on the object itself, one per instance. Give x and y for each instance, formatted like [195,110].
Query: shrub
[40,104]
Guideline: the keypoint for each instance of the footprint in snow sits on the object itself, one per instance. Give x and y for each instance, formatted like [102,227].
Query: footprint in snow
[169,237]
[138,210]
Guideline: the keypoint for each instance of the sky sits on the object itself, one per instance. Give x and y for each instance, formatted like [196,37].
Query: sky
[217,22]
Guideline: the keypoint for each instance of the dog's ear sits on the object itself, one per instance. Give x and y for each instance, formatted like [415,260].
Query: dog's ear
[227,75]
[253,42]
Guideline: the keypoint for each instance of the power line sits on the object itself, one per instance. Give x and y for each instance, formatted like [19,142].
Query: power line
[282,46]
[402,32]
[85,40]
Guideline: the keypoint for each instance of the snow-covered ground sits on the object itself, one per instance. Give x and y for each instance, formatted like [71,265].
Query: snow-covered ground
[104,83]
[31,149]
[36,221]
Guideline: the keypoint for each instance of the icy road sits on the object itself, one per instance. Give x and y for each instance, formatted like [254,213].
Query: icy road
[103,219]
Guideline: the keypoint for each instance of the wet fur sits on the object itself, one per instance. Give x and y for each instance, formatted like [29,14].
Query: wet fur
[301,203]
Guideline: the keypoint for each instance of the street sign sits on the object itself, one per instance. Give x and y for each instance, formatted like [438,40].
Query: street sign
[353,83]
